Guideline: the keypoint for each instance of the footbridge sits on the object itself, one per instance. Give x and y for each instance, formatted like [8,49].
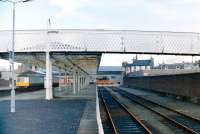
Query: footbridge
[78,51]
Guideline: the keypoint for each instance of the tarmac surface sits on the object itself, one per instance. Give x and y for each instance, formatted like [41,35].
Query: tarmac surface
[42,117]
[68,114]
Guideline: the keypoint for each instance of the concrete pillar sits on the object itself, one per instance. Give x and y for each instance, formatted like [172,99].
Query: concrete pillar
[65,82]
[68,82]
[33,68]
[59,88]
[82,82]
[74,81]
[85,81]
[78,82]
[88,80]
[51,78]
[49,89]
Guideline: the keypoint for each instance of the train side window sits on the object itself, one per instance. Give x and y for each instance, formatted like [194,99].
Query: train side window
[26,79]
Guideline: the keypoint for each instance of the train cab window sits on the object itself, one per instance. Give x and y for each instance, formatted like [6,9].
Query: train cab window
[22,79]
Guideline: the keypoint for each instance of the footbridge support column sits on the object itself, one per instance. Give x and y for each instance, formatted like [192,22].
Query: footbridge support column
[49,89]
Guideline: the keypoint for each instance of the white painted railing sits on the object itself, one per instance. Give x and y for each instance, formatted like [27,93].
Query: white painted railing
[102,41]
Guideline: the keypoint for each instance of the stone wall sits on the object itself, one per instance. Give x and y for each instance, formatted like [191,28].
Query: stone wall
[180,84]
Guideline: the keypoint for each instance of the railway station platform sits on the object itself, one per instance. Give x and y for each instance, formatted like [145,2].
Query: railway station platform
[84,93]
[66,114]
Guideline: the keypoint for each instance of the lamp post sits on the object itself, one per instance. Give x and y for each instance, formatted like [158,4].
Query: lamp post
[13,53]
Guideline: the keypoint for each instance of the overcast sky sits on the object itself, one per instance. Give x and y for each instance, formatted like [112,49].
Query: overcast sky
[153,15]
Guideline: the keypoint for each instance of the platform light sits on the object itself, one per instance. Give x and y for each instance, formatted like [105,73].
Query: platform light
[12,110]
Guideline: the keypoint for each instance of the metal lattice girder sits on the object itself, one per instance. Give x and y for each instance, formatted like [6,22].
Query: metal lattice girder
[110,41]
[86,63]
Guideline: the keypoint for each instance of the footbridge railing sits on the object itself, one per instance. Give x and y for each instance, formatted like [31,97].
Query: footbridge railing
[107,41]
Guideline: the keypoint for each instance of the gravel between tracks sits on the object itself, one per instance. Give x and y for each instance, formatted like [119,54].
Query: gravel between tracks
[156,123]
[182,106]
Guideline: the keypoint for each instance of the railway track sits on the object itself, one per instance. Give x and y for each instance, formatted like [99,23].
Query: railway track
[107,124]
[187,123]
[122,121]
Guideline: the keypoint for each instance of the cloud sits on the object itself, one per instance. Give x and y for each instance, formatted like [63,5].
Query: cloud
[119,14]
[73,8]
[163,12]
[67,7]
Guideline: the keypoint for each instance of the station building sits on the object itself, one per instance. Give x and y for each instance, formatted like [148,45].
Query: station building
[137,65]
[183,65]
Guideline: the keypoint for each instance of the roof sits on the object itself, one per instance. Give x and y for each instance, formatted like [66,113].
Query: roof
[109,72]
[140,63]
[31,73]
[110,68]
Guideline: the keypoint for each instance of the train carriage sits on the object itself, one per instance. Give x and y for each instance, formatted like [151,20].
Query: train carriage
[32,80]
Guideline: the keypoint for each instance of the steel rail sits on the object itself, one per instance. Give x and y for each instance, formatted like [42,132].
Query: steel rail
[127,111]
[178,112]
[109,114]
[132,115]
[159,113]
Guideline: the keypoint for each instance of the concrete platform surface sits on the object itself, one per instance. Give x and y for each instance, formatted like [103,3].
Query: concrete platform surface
[33,95]
[88,92]
[42,117]
[69,114]
[88,124]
